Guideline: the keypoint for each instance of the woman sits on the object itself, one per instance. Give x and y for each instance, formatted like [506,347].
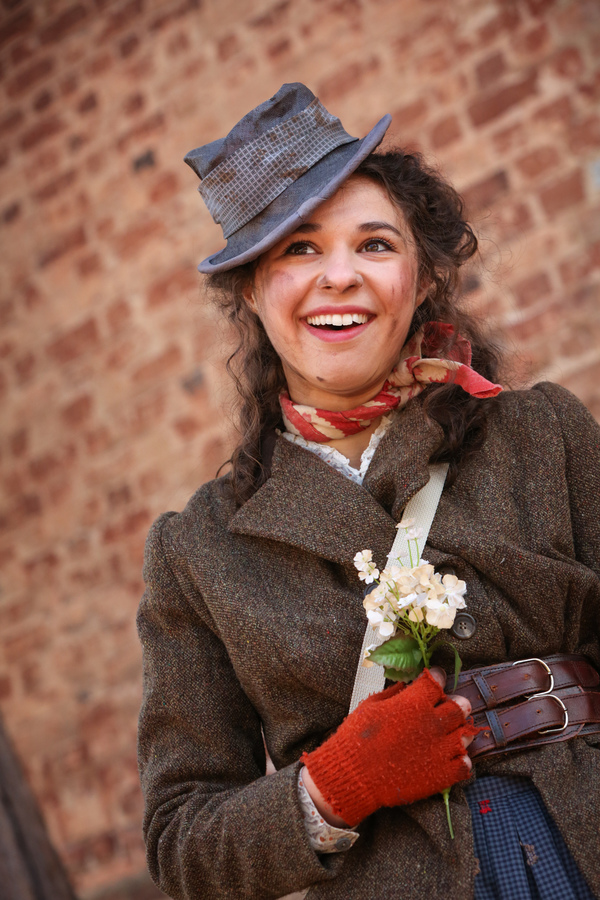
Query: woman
[252,620]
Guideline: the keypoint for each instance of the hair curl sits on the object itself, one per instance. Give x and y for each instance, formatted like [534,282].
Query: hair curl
[444,241]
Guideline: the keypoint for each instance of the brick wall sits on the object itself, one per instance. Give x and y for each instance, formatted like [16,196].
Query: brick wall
[111,364]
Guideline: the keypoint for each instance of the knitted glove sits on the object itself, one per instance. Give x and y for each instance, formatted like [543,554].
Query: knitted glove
[398,746]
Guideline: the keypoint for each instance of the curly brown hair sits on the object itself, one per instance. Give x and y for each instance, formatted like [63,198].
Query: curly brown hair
[444,242]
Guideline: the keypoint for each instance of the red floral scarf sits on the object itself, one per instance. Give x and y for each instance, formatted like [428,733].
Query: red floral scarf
[419,366]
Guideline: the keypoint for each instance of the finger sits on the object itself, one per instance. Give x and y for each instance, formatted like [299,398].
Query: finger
[467,762]
[439,675]
[462,702]
[466,739]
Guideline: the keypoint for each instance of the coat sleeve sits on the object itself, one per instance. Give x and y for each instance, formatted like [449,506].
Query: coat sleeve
[215,826]
[581,439]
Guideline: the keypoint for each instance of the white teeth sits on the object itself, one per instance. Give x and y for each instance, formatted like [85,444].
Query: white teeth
[338,320]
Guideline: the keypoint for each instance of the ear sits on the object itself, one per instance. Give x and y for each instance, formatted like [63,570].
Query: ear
[248,295]
[422,291]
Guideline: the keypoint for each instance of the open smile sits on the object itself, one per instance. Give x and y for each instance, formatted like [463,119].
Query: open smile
[334,327]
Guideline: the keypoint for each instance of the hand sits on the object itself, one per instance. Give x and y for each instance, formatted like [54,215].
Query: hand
[440,677]
[398,746]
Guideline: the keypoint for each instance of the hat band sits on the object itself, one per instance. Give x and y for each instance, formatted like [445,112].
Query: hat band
[247,181]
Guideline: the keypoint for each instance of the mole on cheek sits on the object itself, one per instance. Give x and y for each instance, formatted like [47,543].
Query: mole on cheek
[319,378]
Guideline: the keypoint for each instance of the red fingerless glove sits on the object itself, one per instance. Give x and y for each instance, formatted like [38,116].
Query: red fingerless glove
[398,746]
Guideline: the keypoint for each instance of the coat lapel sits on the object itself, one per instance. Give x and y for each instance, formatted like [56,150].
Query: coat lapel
[307,504]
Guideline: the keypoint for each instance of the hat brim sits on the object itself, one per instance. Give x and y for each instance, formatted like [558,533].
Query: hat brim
[295,204]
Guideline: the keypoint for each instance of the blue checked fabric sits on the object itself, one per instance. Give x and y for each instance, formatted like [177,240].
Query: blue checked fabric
[522,855]
[252,177]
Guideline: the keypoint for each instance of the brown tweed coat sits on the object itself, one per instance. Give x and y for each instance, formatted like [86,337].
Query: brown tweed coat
[256,616]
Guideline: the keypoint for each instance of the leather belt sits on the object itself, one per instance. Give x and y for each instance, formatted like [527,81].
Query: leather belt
[558,699]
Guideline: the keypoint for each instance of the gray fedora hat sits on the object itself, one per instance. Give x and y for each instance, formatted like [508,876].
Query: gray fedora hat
[273,169]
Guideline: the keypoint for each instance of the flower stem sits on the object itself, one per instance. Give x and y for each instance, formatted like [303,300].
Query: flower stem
[446,796]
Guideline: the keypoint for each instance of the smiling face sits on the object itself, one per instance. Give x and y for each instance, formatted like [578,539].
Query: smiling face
[337,297]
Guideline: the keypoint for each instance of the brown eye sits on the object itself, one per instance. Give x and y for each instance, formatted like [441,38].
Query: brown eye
[376,245]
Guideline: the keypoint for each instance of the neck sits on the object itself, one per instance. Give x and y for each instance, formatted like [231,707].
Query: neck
[354,445]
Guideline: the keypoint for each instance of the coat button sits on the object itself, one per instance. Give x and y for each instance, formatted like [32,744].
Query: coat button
[343,843]
[464,626]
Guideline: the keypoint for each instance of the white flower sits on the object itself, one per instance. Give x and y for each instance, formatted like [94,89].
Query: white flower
[406,523]
[438,614]
[414,533]
[369,575]
[455,591]
[375,616]
[386,629]
[416,614]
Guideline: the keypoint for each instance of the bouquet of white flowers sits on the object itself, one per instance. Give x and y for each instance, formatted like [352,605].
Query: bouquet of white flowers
[409,605]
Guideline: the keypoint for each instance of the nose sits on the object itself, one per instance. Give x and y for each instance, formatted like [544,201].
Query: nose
[339,272]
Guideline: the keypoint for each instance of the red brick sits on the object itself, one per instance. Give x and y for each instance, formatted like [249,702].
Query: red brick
[148,128]
[532,289]
[41,467]
[26,78]
[87,103]
[485,193]
[272,17]
[41,131]
[118,315]
[227,46]
[166,185]
[42,100]
[346,80]
[11,213]
[558,111]
[532,42]
[410,114]
[187,427]
[445,131]
[568,63]
[68,241]
[4,156]
[89,265]
[75,342]
[5,687]
[63,24]
[129,45]
[491,105]
[279,48]
[19,24]
[539,7]
[11,120]
[133,523]
[19,441]
[165,18]
[538,162]
[133,104]
[172,287]
[25,367]
[490,70]
[563,194]
[128,13]
[78,411]
[512,220]
[585,135]
[54,187]
[508,19]
[164,364]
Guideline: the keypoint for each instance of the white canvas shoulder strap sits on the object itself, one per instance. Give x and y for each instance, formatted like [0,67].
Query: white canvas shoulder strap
[422,508]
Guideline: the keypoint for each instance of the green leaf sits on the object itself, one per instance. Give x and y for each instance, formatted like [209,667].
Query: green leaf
[405,675]
[457,659]
[400,654]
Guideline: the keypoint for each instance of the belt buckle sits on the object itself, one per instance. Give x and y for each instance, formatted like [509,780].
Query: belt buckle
[547,693]
[548,670]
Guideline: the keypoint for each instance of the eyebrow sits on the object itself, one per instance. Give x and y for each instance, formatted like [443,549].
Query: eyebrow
[310,228]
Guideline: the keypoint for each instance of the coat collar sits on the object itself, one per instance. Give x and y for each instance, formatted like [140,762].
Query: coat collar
[307,504]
